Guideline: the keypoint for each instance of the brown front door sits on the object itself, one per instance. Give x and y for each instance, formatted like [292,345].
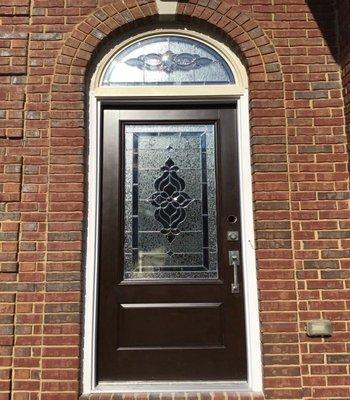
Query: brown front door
[170,246]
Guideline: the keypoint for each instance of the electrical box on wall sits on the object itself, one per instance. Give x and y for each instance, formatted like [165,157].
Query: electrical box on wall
[319,328]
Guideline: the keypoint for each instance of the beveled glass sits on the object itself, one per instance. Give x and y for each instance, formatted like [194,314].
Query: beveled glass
[170,202]
[167,60]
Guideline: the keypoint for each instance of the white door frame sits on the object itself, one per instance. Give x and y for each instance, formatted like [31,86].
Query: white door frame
[254,363]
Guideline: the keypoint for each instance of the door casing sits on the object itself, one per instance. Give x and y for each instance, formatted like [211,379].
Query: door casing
[254,381]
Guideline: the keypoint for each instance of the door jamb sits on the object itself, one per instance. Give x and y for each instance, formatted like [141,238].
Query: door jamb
[254,362]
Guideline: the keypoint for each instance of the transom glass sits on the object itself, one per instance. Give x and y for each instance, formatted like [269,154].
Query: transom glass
[167,60]
[170,202]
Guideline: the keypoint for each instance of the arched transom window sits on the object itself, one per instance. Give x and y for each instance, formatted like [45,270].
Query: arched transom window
[167,60]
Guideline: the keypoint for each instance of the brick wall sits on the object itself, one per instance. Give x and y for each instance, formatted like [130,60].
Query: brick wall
[301,192]
[344,36]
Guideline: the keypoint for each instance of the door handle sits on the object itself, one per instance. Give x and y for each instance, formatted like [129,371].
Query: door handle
[233,261]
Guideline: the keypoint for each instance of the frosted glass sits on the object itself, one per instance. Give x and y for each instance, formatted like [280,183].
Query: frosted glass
[167,60]
[170,202]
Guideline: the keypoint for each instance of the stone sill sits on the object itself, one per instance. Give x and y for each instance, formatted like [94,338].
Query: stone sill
[175,396]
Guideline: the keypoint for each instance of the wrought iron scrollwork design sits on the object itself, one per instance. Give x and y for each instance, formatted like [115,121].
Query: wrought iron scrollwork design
[170,200]
[169,62]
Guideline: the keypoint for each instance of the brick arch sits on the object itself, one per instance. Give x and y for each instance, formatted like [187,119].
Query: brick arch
[257,51]
[268,136]
[259,54]
[87,36]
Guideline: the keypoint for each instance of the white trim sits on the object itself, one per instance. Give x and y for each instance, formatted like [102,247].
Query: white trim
[123,92]
[248,251]
[91,277]
[254,362]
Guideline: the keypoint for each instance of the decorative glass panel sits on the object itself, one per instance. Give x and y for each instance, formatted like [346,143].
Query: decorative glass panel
[170,202]
[167,60]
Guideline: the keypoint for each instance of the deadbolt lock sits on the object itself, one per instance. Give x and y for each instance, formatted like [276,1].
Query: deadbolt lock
[232,236]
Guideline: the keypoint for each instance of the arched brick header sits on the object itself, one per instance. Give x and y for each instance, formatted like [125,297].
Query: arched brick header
[85,38]
[252,42]
[257,49]
[269,150]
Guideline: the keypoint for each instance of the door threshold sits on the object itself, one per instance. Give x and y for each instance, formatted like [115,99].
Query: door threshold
[171,386]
